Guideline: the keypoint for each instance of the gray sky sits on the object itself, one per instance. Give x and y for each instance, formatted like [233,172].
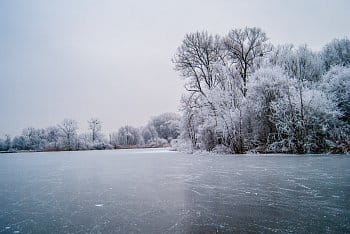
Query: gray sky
[111,59]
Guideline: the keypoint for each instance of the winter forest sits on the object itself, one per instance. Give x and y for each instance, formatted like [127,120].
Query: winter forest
[242,94]
[159,131]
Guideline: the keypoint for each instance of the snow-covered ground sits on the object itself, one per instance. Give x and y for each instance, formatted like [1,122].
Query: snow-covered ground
[158,191]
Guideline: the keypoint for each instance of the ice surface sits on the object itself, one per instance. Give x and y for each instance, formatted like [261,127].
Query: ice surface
[157,191]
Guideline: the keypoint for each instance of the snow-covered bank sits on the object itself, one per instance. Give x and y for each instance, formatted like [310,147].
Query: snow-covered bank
[186,147]
[133,149]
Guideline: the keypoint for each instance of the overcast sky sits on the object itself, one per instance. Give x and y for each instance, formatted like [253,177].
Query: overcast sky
[111,59]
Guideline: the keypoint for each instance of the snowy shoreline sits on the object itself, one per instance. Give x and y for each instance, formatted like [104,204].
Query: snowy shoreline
[49,151]
[193,153]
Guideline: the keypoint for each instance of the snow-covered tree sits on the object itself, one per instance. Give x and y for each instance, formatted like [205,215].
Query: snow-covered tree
[166,125]
[304,128]
[69,129]
[35,138]
[95,125]
[196,58]
[113,139]
[244,94]
[19,143]
[300,63]
[244,49]
[337,52]
[53,135]
[266,86]
[129,136]
[336,83]
[149,134]
[190,119]
[6,143]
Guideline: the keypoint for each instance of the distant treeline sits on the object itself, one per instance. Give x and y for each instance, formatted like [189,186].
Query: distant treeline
[244,94]
[159,131]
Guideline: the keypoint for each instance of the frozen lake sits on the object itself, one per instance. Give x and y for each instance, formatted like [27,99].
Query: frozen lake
[155,191]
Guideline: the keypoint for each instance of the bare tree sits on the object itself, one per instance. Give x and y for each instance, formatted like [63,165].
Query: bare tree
[196,59]
[95,125]
[244,47]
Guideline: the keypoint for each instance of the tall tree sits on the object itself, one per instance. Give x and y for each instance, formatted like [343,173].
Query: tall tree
[95,125]
[195,59]
[244,48]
